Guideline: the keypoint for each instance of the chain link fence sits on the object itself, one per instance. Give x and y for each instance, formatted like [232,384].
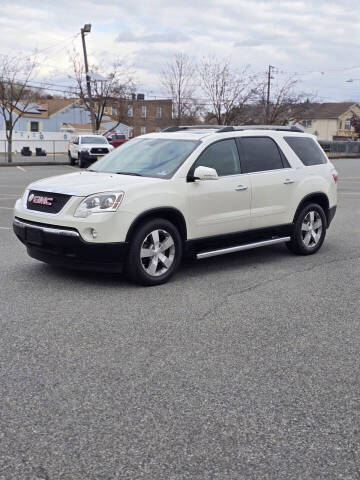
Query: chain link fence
[341,148]
[25,151]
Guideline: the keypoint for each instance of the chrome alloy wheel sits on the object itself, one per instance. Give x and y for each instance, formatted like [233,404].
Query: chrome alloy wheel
[157,252]
[311,229]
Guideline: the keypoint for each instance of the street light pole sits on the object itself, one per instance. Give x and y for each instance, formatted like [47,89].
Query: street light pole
[87,29]
[268,94]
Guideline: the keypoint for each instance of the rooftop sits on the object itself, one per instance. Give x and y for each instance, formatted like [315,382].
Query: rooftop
[327,110]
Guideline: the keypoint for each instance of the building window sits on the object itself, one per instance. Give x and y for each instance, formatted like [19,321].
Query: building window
[130,111]
[307,123]
[348,124]
[142,130]
[158,112]
[34,126]
[143,111]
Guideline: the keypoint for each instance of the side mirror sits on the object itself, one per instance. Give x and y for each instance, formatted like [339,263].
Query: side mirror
[205,173]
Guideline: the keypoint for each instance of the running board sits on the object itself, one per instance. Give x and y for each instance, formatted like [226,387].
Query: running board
[239,248]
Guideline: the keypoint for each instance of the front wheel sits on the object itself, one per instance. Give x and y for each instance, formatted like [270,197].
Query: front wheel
[81,161]
[71,160]
[155,252]
[309,230]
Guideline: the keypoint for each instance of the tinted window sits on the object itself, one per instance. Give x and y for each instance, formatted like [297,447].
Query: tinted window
[223,156]
[260,154]
[307,150]
[93,140]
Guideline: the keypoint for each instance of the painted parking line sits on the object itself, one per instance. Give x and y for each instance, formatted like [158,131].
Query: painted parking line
[7,208]
[5,228]
[22,169]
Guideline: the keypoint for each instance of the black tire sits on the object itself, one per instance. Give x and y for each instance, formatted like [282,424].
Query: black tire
[81,162]
[308,242]
[137,267]
[71,160]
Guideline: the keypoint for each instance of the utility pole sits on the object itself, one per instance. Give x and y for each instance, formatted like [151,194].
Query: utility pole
[87,29]
[268,95]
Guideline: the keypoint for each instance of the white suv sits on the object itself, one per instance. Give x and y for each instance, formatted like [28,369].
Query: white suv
[86,149]
[189,191]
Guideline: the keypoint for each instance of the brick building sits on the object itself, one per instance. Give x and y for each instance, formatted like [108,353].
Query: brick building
[143,116]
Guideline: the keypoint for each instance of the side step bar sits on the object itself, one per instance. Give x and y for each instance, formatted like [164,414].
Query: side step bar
[239,248]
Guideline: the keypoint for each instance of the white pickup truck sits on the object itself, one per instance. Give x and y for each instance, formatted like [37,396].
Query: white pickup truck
[87,149]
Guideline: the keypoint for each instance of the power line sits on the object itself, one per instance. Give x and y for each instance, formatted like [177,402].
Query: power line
[63,43]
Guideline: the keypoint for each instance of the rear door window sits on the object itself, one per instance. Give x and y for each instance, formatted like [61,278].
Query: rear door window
[307,150]
[259,154]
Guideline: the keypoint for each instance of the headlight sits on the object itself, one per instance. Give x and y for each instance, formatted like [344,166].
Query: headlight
[84,149]
[101,202]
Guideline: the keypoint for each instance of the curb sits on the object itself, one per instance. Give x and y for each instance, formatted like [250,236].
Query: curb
[31,164]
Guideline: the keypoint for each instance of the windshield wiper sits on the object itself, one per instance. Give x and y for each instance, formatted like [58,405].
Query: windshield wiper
[129,173]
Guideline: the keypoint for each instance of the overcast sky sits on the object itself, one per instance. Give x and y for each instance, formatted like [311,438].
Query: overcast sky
[320,40]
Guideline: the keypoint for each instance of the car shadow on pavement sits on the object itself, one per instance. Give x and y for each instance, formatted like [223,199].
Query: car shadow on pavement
[189,268]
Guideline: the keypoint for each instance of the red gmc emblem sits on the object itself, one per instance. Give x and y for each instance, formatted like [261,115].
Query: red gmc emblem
[42,200]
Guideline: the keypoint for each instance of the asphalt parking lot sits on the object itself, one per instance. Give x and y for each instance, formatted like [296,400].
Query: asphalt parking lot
[242,367]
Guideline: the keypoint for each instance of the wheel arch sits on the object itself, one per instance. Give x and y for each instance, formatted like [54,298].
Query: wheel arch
[316,197]
[171,214]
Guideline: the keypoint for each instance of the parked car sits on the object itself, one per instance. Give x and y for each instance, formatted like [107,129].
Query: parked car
[116,139]
[188,191]
[87,149]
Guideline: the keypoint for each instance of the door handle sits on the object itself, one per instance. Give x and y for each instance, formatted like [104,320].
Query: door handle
[288,181]
[241,187]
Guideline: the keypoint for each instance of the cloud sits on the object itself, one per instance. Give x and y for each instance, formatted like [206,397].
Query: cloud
[293,35]
[248,43]
[167,37]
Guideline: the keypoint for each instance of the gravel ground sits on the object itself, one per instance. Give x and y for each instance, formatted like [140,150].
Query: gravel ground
[243,367]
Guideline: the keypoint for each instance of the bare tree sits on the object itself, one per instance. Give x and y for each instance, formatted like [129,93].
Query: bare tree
[227,90]
[109,90]
[285,104]
[178,78]
[355,122]
[15,94]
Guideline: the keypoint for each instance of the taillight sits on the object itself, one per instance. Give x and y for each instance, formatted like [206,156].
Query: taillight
[334,174]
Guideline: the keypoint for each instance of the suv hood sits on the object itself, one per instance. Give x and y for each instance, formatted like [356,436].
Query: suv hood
[81,184]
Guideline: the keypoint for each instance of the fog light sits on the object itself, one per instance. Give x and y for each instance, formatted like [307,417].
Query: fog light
[93,233]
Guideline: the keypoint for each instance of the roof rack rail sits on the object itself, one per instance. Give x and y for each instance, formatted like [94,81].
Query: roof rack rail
[279,128]
[233,128]
[192,127]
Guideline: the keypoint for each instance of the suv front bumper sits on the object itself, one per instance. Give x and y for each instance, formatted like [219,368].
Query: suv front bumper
[63,246]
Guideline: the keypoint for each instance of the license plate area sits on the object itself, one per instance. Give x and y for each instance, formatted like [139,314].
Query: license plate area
[34,236]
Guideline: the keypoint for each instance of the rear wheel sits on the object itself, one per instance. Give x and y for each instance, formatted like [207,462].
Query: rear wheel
[309,230]
[155,252]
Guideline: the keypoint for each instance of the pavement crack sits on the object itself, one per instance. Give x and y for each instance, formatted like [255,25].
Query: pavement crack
[218,305]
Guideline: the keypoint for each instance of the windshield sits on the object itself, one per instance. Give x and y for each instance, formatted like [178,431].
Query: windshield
[93,140]
[148,157]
